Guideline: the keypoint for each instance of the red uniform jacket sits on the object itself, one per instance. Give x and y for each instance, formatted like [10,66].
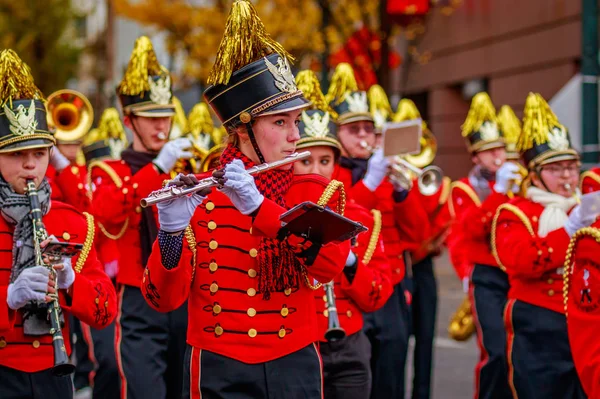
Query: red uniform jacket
[69,186]
[469,240]
[392,215]
[116,206]
[534,264]
[226,314]
[582,299]
[372,284]
[590,181]
[93,298]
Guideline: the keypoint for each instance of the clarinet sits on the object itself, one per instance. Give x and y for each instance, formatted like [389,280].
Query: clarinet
[334,332]
[61,366]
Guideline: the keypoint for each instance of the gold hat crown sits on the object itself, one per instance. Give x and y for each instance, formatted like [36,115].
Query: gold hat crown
[539,123]
[308,83]
[343,82]
[142,65]
[379,102]
[481,110]
[406,111]
[109,127]
[244,41]
[509,124]
[16,79]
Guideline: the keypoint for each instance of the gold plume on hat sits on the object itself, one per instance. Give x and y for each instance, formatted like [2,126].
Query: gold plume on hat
[379,102]
[406,111]
[342,83]
[308,83]
[180,118]
[509,124]
[16,80]
[142,65]
[244,41]
[199,120]
[109,127]
[481,110]
[539,121]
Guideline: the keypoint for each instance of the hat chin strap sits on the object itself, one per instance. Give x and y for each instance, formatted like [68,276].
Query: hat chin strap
[254,143]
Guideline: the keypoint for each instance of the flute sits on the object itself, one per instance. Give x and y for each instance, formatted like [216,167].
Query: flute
[169,193]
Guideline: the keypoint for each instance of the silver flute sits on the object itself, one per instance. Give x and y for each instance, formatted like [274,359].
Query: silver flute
[170,192]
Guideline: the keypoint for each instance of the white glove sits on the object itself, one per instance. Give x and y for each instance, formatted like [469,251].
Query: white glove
[171,152]
[376,170]
[175,215]
[66,276]
[31,285]
[506,176]
[58,160]
[351,259]
[241,188]
[578,221]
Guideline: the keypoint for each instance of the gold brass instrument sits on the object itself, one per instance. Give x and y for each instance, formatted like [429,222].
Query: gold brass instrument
[192,165]
[169,192]
[462,325]
[211,160]
[522,182]
[334,330]
[61,366]
[70,114]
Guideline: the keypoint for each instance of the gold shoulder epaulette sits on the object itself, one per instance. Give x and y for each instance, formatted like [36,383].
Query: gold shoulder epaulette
[459,185]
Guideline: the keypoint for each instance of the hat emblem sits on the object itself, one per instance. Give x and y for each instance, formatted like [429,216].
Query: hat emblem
[557,139]
[316,125]
[489,131]
[160,90]
[284,79]
[23,121]
[357,102]
[379,118]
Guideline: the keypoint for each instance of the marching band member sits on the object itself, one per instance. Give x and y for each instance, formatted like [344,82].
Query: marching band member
[425,242]
[149,344]
[473,203]
[529,238]
[365,285]
[27,340]
[510,126]
[365,178]
[252,322]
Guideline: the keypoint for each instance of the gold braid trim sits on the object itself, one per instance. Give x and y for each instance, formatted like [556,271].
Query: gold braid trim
[446,189]
[87,244]
[567,268]
[119,183]
[592,175]
[521,215]
[191,240]
[331,188]
[468,190]
[374,237]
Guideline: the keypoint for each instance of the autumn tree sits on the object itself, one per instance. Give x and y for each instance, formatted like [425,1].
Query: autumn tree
[41,32]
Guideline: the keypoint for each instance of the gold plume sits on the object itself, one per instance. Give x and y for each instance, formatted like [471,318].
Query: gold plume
[538,121]
[509,124]
[342,83]
[378,101]
[179,118]
[16,80]
[308,83]
[406,111]
[200,121]
[481,110]
[244,41]
[142,65]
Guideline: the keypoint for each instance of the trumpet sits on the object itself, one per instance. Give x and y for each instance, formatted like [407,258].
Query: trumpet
[429,179]
[334,330]
[169,193]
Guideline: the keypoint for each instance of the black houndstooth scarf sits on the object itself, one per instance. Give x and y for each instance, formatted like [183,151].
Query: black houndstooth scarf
[15,209]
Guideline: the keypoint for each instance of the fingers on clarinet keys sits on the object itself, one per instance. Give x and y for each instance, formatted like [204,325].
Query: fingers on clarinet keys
[32,285]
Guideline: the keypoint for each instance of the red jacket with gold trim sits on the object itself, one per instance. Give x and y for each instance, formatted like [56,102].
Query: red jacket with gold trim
[534,264]
[469,240]
[93,299]
[590,181]
[116,206]
[226,313]
[69,186]
[582,299]
[392,215]
[371,286]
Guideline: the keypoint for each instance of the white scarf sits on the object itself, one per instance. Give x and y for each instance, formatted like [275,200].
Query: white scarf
[556,207]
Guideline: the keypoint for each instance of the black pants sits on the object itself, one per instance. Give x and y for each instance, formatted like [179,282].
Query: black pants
[347,368]
[387,330]
[151,347]
[489,290]
[295,376]
[16,384]
[423,287]
[539,352]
